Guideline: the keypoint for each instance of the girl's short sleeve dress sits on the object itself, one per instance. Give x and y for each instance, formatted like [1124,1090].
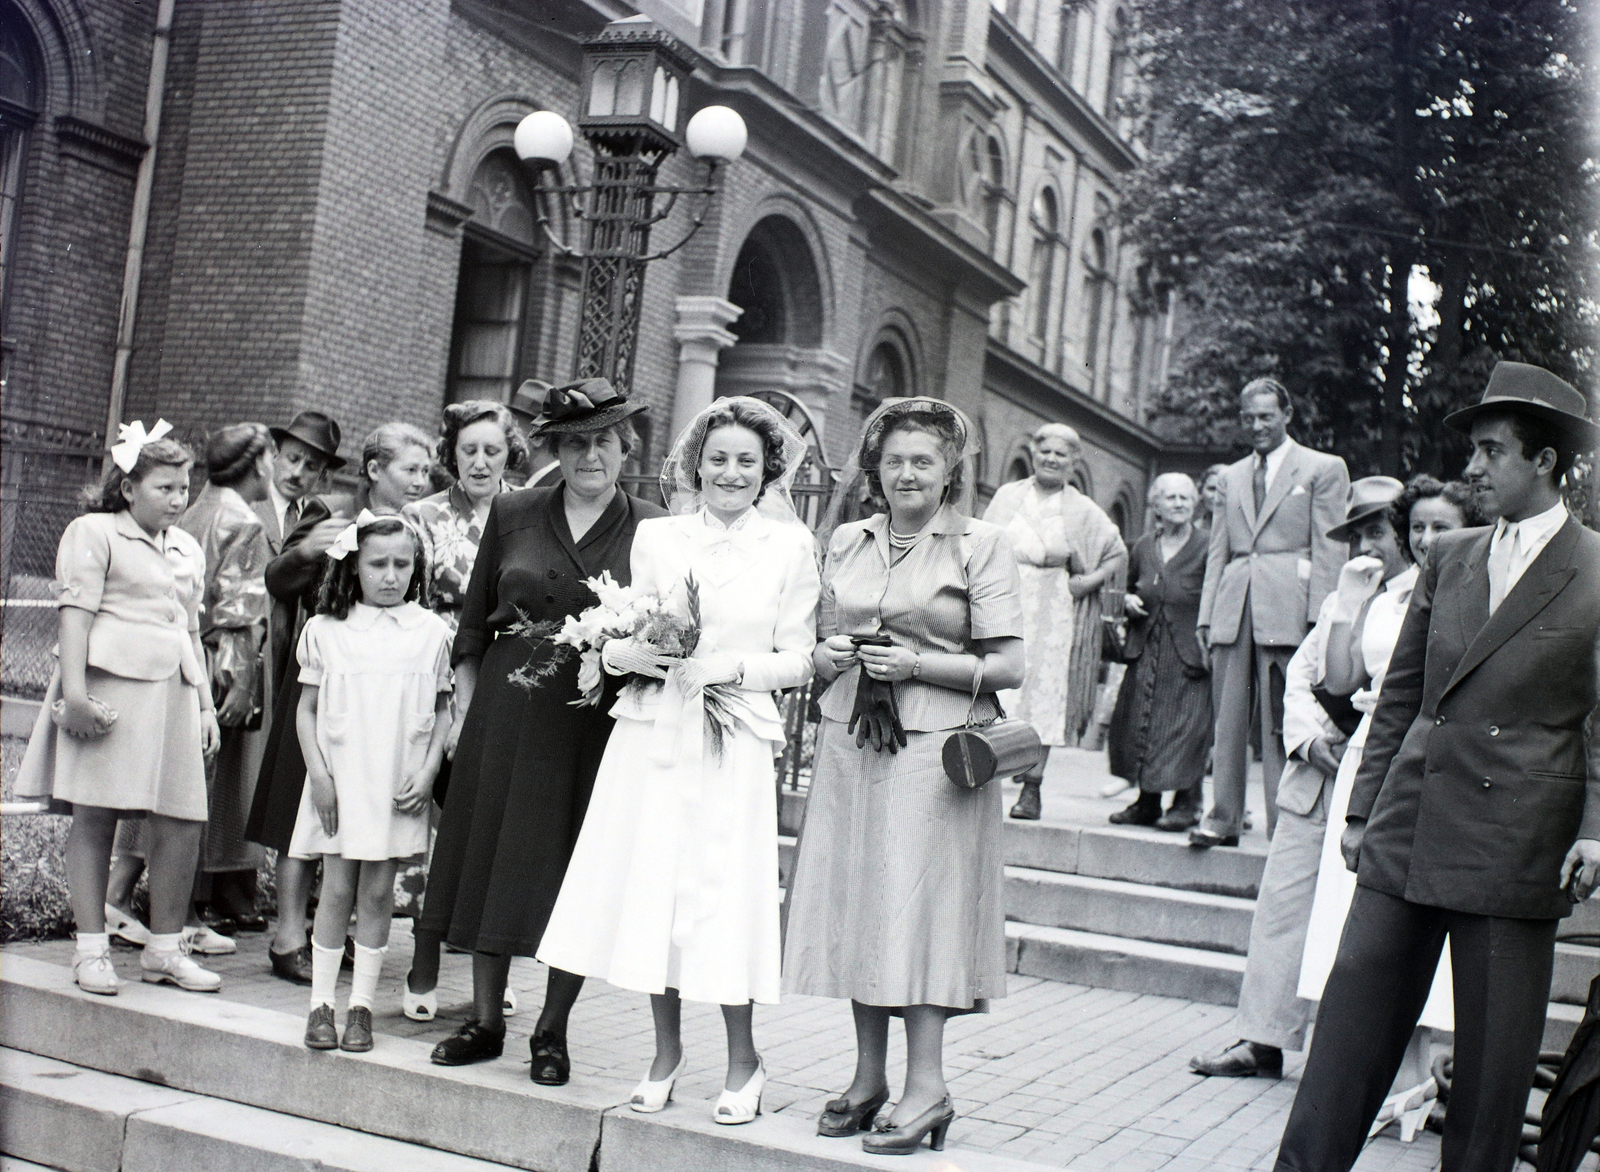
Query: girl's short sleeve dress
[144,591]
[378,673]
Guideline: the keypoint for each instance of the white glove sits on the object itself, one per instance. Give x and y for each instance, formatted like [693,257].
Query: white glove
[700,673]
[1359,580]
[621,656]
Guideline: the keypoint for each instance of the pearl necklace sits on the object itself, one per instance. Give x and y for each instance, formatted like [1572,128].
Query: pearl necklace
[903,543]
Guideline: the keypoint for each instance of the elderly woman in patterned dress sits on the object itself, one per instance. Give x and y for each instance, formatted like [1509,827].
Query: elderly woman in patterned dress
[1067,551]
[479,442]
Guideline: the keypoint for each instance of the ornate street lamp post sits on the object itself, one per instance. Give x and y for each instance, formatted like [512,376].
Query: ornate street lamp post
[634,87]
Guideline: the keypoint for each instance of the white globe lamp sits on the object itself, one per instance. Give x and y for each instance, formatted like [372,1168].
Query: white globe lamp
[716,133]
[544,137]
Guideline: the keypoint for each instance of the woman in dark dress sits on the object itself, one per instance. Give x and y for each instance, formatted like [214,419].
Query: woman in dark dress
[525,759]
[1161,727]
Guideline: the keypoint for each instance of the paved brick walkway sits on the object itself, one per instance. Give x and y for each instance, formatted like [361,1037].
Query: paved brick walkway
[1064,1075]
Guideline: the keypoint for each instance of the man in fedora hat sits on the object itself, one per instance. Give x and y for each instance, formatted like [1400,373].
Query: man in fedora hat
[1272,1015]
[300,525]
[1476,810]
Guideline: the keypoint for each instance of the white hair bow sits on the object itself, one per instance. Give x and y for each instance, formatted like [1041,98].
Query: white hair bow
[350,539]
[131,439]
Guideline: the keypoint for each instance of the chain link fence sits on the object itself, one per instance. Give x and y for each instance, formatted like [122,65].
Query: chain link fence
[40,492]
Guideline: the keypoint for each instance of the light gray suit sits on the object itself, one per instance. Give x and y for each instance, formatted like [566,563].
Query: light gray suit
[1267,574]
[1271,1011]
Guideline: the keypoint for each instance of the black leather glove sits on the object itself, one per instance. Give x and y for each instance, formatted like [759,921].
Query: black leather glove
[876,716]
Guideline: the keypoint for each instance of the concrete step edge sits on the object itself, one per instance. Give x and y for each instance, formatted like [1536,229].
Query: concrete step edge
[197,1045]
[1146,949]
[1130,888]
[54,1108]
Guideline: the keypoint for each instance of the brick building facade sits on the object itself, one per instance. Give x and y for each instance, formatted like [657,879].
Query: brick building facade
[335,218]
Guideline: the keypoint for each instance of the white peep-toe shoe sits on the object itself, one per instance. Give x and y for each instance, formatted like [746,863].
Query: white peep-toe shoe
[744,1105]
[418,1006]
[650,1097]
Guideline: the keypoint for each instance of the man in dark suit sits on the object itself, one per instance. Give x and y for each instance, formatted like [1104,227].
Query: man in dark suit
[1270,565]
[1476,811]
[305,524]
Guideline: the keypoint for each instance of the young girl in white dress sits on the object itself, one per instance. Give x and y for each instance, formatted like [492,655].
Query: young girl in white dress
[372,720]
[673,885]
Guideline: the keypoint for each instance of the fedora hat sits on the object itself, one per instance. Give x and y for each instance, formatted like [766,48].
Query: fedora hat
[1368,497]
[317,431]
[590,404]
[1532,390]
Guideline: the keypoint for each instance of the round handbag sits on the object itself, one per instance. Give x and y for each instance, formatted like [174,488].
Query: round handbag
[983,750]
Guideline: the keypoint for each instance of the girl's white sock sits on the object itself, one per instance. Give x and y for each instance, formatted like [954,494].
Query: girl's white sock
[364,982]
[94,943]
[324,973]
[164,942]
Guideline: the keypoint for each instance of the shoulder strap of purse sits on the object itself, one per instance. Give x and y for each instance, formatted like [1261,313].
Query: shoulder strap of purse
[977,684]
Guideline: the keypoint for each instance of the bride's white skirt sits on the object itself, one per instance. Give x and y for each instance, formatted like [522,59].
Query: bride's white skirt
[1336,887]
[673,883]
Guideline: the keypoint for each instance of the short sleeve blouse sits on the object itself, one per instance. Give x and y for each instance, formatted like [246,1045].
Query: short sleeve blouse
[957,585]
[144,591]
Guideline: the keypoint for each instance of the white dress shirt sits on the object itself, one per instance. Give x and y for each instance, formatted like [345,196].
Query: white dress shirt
[1275,458]
[280,505]
[1514,547]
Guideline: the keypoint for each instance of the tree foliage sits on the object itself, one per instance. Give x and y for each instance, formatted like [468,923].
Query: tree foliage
[1303,158]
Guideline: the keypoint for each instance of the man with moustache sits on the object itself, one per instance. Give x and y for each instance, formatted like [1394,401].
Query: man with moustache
[1476,811]
[299,524]
[1270,565]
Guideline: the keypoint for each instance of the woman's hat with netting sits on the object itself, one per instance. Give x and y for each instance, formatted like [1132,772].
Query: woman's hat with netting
[678,473]
[858,493]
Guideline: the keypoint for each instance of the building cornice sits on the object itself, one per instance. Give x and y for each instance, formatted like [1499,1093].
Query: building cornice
[1080,408]
[445,216]
[1011,48]
[901,221]
[98,146]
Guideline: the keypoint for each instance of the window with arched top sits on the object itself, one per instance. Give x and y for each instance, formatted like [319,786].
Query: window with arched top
[1046,219]
[499,247]
[1094,291]
[886,372]
[1117,69]
[1067,38]
[21,97]
[1019,470]
[995,188]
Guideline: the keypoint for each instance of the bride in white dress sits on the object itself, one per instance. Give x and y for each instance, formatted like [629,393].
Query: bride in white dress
[673,885]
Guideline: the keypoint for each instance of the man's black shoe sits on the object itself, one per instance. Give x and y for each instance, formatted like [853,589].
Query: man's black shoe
[1205,839]
[1241,1060]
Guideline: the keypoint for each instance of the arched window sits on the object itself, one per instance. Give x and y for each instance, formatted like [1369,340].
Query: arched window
[886,372]
[1067,38]
[1046,225]
[1094,297]
[995,192]
[20,101]
[499,247]
[1019,470]
[1117,69]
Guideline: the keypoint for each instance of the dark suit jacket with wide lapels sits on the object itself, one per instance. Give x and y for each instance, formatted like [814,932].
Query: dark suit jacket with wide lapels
[1478,775]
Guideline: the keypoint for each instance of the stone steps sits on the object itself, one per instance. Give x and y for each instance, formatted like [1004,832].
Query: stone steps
[84,1120]
[169,1049]
[1137,911]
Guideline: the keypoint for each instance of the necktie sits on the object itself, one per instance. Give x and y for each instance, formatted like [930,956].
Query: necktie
[291,517]
[1501,554]
[1258,483]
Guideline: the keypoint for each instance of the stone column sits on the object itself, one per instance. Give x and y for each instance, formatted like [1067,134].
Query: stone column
[702,333]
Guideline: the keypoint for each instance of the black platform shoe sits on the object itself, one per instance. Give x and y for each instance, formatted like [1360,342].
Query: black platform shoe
[551,1066]
[473,1042]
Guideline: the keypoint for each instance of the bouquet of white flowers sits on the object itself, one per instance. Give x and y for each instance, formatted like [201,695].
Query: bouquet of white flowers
[623,612]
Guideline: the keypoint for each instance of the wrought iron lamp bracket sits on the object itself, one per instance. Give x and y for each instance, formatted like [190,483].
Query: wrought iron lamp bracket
[580,199]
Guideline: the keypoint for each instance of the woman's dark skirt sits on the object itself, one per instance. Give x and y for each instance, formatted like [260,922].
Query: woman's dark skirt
[1161,728]
[523,772]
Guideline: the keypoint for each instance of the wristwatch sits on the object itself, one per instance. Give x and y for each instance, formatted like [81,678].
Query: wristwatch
[916,665]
